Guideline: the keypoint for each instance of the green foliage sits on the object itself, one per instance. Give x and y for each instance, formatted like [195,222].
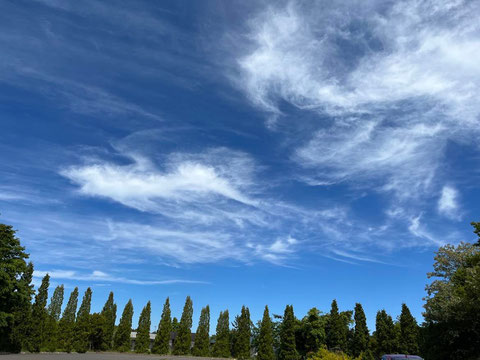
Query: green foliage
[142,342]
[202,337]
[67,323]
[337,328]
[161,344]
[324,354]
[242,331]
[39,316]
[82,325]
[184,335]
[408,339]
[109,313]
[288,350]
[310,334]
[221,348]
[384,336]
[361,335]
[476,230]
[54,312]
[16,291]
[22,317]
[265,339]
[175,325]
[97,334]
[122,335]
[452,308]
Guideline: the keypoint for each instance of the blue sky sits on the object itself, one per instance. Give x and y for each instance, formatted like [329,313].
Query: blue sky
[240,152]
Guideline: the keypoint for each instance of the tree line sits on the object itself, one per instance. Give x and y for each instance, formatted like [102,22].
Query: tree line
[28,321]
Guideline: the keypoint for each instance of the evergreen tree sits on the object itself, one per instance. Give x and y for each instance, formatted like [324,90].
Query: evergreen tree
[337,329]
[385,341]
[361,334]
[310,335]
[109,313]
[54,312]
[122,335]
[67,323]
[40,316]
[162,340]
[184,336]
[175,325]
[265,339]
[15,293]
[221,348]
[97,335]
[82,325]
[288,350]
[202,337]
[22,314]
[243,332]
[408,342]
[142,343]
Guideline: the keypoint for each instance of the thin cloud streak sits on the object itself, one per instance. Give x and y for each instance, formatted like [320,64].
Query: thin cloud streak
[97,275]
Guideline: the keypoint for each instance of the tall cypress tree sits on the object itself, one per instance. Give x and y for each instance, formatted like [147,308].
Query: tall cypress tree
[337,329]
[67,323]
[161,344]
[202,337]
[361,334]
[82,325]
[54,312]
[15,291]
[221,348]
[142,342]
[288,349]
[40,316]
[175,325]
[408,332]
[243,333]
[184,336]
[97,337]
[109,313]
[265,339]
[122,335]
[385,340]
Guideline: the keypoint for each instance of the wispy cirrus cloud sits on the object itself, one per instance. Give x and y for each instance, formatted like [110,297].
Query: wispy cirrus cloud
[392,85]
[97,275]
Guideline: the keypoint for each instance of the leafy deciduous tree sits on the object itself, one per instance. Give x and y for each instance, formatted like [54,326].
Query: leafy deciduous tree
[16,291]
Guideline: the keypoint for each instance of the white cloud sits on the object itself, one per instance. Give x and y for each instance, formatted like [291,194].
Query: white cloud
[276,252]
[206,187]
[448,202]
[97,275]
[396,85]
